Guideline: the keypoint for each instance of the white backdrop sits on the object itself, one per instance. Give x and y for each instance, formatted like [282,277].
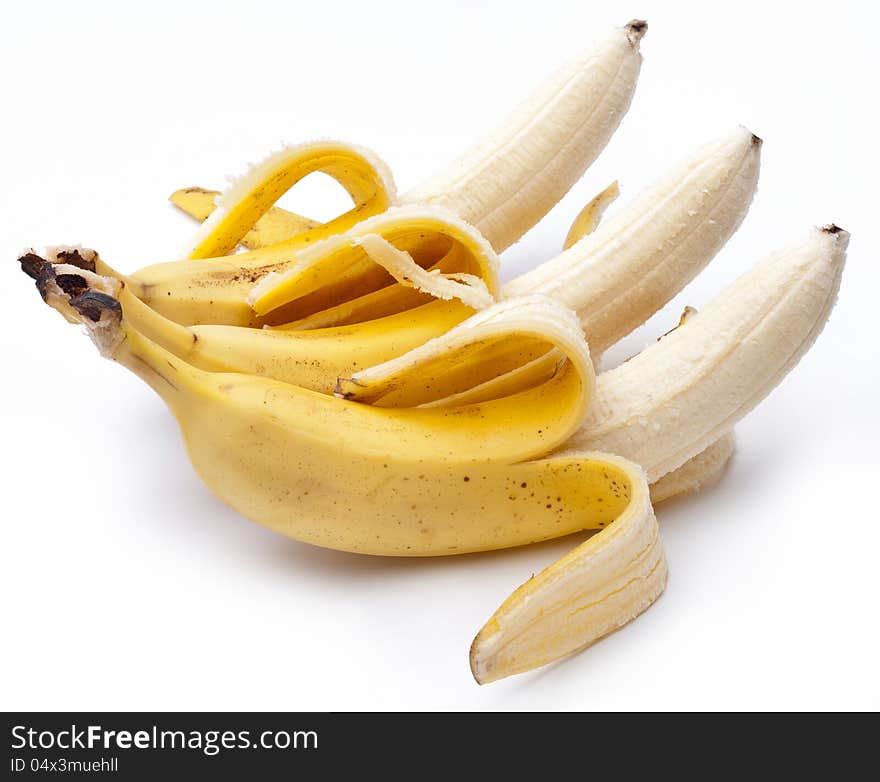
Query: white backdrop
[126,585]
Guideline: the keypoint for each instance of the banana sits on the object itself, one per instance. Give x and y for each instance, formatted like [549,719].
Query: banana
[681,394]
[270,449]
[503,187]
[506,184]
[662,407]
[509,181]
[615,279]
[618,276]
[399,401]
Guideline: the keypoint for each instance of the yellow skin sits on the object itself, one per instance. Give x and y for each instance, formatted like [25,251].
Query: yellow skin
[212,287]
[402,481]
[421,481]
[274,226]
[310,359]
[372,328]
[587,219]
[340,269]
[315,358]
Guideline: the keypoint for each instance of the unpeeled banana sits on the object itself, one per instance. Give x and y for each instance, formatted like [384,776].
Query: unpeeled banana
[368,385]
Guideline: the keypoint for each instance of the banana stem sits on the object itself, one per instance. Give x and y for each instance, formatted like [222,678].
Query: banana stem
[68,283]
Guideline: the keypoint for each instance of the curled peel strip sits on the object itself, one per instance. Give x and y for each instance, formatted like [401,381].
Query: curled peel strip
[339,269]
[364,176]
[593,590]
[467,288]
[275,226]
[589,217]
[467,356]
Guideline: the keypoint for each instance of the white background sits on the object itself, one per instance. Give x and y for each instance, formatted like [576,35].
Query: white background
[126,585]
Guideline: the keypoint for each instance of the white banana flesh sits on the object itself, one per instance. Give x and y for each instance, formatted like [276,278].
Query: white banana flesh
[683,393]
[506,184]
[699,471]
[620,275]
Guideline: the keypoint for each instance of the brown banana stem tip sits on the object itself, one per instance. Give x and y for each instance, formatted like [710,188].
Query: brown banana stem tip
[85,298]
[636,30]
[39,269]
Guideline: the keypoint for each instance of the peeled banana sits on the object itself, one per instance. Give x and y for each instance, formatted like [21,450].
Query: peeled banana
[713,369]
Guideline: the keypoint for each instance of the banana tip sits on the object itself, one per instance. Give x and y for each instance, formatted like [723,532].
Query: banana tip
[636,30]
[38,269]
[32,264]
[839,235]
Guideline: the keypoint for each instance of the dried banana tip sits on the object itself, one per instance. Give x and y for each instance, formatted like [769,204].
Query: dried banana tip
[67,283]
[636,30]
[38,269]
[838,234]
[32,264]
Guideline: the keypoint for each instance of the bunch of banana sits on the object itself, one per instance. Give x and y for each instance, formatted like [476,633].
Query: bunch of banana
[369,385]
